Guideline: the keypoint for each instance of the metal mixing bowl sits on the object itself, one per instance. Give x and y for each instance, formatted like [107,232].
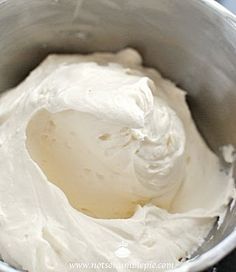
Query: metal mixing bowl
[191,42]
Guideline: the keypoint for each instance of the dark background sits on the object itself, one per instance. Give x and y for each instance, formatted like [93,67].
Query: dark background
[228,264]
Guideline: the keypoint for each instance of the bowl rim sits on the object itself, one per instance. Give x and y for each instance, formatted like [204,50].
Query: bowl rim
[228,244]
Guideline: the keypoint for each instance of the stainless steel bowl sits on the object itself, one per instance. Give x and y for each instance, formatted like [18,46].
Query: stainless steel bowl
[191,42]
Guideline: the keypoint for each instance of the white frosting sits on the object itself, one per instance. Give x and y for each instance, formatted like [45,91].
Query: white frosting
[228,152]
[96,151]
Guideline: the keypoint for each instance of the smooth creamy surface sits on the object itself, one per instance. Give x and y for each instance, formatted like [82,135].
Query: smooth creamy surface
[100,162]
